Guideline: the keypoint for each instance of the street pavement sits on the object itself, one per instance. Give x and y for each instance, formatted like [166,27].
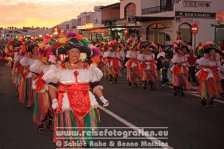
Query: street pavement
[190,126]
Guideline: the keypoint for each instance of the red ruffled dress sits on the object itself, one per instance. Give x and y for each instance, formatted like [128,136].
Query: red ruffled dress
[77,109]
[209,78]
[148,67]
[180,72]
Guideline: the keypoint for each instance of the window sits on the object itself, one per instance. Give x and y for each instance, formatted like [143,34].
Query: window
[166,5]
[67,26]
[130,10]
[219,34]
[87,19]
[185,32]
[155,34]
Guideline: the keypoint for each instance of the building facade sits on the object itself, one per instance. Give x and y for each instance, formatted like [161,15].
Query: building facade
[10,33]
[164,21]
[89,20]
[70,25]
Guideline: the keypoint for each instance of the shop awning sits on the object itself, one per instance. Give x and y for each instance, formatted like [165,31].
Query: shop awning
[150,18]
[109,27]
[218,25]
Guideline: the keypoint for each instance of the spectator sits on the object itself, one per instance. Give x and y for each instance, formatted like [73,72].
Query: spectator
[191,59]
[160,56]
[165,67]
[219,43]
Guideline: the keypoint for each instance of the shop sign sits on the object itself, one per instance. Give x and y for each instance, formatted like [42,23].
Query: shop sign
[86,26]
[197,4]
[121,22]
[203,15]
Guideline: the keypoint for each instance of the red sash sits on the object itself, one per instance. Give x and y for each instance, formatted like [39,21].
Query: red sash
[78,96]
[25,74]
[202,75]
[215,72]
[40,83]
[115,62]
[177,69]
[20,68]
[151,63]
[131,61]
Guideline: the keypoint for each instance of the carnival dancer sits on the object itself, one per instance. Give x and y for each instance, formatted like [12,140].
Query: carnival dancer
[132,65]
[209,75]
[106,61]
[180,69]
[116,57]
[17,68]
[25,89]
[43,113]
[76,106]
[9,53]
[148,65]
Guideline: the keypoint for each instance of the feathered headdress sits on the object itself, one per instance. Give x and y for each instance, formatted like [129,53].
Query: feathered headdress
[209,46]
[153,45]
[178,46]
[75,40]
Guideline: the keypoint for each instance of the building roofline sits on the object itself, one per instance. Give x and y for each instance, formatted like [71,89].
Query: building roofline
[108,6]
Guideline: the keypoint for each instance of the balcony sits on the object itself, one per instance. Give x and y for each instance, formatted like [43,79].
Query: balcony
[157,9]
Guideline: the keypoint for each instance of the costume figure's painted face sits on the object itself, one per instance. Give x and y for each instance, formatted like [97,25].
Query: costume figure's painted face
[74,54]
[180,52]
[35,51]
[148,50]
[212,53]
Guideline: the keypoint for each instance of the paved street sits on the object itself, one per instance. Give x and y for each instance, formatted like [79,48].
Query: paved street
[190,126]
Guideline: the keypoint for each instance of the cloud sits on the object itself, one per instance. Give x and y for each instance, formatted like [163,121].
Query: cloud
[41,13]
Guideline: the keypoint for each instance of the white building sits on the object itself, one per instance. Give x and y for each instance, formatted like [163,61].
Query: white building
[10,33]
[68,25]
[88,21]
[90,17]
[162,21]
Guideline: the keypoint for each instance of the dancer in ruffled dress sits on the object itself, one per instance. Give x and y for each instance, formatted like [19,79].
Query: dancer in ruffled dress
[180,69]
[132,65]
[209,76]
[116,57]
[148,65]
[73,97]
[25,89]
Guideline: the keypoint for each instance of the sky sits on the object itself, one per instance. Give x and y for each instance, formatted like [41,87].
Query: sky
[44,13]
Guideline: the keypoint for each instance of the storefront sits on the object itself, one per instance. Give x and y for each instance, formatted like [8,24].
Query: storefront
[204,20]
[184,32]
[219,27]
[155,33]
[112,29]
[156,29]
[219,32]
